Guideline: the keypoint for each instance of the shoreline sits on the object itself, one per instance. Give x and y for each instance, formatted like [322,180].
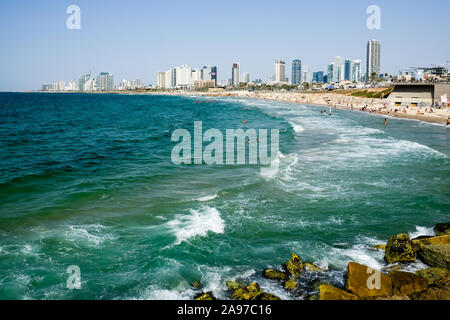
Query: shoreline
[325,99]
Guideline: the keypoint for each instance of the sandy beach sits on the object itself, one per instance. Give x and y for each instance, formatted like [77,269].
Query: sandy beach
[332,99]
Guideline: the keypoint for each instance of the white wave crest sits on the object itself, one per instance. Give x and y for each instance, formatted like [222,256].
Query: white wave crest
[421,231]
[198,223]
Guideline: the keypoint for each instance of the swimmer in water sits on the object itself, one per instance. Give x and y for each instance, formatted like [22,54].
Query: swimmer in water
[245,121]
[385,122]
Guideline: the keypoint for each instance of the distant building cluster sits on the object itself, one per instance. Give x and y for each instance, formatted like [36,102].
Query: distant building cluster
[339,73]
[184,77]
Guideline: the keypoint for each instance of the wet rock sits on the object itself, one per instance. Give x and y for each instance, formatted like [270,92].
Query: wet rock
[294,266]
[251,292]
[366,282]
[444,239]
[435,255]
[432,275]
[441,291]
[380,246]
[328,292]
[406,283]
[291,284]
[205,296]
[442,228]
[311,267]
[268,296]
[196,284]
[234,285]
[274,275]
[400,249]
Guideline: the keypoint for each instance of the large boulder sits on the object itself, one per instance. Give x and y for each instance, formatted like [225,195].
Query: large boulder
[294,266]
[435,255]
[441,291]
[328,292]
[205,296]
[432,274]
[251,292]
[400,249]
[291,284]
[442,228]
[234,285]
[312,267]
[406,283]
[268,296]
[273,274]
[366,282]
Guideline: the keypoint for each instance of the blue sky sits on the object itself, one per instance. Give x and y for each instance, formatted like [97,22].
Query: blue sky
[136,38]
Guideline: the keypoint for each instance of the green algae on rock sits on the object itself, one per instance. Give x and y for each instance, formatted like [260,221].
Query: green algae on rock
[294,266]
[400,249]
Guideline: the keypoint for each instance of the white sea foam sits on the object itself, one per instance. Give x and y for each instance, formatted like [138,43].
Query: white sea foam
[93,234]
[156,293]
[207,198]
[421,231]
[297,128]
[197,223]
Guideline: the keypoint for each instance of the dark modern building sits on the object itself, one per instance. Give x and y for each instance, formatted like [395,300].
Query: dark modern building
[318,77]
[348,70]
[296,72]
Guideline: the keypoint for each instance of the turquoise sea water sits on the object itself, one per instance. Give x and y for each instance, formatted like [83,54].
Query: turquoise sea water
[87,180]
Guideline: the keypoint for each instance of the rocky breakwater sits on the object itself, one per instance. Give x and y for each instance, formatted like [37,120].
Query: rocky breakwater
[304,280]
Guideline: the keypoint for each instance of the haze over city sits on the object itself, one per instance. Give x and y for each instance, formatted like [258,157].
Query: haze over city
[135,40]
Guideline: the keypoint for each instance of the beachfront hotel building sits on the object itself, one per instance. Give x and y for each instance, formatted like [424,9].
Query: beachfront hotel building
[356,71]
[235,74]
[184,77]
[373,58]
[105,82]
[296,72]
[245,77]
[280,71]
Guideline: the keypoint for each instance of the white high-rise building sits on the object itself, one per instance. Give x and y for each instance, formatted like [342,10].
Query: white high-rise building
[373,58]
[356,70]
[105,82]
[245,77]
[196,75]
[161,80]
[280,71]
[338,70]
[90,85]
[235,74]
[183,76]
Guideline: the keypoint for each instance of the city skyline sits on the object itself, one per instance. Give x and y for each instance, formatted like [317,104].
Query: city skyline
[40,49]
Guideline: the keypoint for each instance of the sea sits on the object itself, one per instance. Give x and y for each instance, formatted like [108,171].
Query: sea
[87,180]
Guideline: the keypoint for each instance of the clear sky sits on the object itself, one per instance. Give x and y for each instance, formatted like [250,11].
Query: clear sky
[136,38]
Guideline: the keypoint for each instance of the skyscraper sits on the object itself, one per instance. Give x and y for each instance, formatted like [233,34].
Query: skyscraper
[235,74]
[330,72]
[356,71]
[318,77]
[373,58]
[280,68]
[82,81]
[161,80]
[348,69]
[105,81]
[245,77]
[214,74]
[296,72]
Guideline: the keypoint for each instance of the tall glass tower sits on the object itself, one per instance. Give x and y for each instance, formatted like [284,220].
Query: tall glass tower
[296,72]
[373,58]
